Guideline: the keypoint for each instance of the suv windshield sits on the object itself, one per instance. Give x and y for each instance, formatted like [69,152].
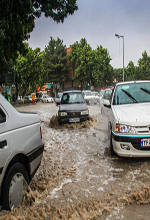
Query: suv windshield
[73,97]
[132,93]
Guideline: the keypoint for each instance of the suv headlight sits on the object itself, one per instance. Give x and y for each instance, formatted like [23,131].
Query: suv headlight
[86,112]
[125,128]
[62,114]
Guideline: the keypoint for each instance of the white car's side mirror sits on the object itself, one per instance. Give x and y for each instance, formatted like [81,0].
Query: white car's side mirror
[106,103]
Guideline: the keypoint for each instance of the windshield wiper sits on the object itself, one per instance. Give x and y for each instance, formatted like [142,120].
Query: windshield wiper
[145,90]
[130,96]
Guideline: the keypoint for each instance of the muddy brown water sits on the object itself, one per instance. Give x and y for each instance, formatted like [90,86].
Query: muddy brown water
[78,179]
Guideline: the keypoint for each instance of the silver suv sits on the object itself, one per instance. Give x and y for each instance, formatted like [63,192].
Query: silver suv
[72,108]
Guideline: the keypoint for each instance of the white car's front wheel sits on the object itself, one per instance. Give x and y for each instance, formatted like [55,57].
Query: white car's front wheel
[14,187]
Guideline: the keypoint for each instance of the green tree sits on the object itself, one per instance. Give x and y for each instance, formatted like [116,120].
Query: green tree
[81,55]
[90,66]
[118,74]
[54,61]
[28,70]
[144,66]
[130,72]
[17,22]
[102,70]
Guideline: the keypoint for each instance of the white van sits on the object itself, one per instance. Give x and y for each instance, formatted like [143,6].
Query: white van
[129,119]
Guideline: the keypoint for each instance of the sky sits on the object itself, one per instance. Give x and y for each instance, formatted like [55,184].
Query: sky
[98,21]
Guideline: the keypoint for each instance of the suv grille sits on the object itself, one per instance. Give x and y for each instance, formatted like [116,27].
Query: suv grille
[73,113]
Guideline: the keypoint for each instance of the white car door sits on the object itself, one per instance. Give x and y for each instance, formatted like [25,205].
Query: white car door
[5,138]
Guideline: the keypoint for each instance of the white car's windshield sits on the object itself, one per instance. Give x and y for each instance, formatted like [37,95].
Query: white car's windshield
[132,93]
[69,98]
[88,93]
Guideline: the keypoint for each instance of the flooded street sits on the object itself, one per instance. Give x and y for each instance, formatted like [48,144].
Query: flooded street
[78,179]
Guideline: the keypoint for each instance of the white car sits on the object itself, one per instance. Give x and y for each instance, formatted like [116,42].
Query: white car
[129,119]
[96,96]
[89,97]
[47,98]
[21,150]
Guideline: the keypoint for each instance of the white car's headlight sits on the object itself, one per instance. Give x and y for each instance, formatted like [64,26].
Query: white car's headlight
[86,112]
[125,128]
[62,114]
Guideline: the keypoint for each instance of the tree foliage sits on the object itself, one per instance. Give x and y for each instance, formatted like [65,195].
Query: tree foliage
[118,74]
[54,61]
[144,66]
[90,66]
[132,72]
[81,57]
[102,70]
[17,22]
[28,70]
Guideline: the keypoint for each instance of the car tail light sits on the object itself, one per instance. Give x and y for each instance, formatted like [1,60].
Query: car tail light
[41,132]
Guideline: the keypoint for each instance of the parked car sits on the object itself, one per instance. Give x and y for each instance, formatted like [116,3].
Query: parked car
[106,96]
[58,98]
[129,119]
[72,107]
[89,97]
[96,97]
[21,150]
[47,98]
[28,99]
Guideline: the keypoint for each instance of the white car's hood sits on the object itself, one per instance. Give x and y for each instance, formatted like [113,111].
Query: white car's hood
[132,114]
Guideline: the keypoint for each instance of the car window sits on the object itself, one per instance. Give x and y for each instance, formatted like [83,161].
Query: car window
[2,116]
[70,98]
[107,94]
[132,93]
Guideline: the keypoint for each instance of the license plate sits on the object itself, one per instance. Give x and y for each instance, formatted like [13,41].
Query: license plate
[145,142]
[74,120]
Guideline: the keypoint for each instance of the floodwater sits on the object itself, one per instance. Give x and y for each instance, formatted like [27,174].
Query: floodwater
[78,179]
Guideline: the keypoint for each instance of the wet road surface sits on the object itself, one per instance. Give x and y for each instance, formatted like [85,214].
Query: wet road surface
[78,179]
